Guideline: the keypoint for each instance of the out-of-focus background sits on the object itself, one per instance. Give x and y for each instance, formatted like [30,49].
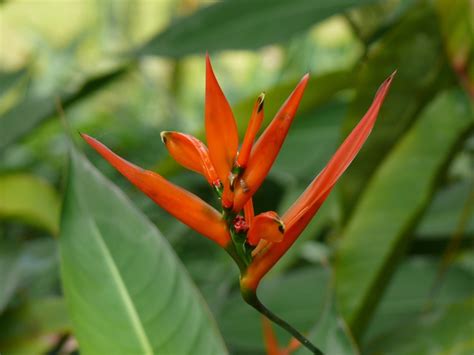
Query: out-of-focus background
[398,230]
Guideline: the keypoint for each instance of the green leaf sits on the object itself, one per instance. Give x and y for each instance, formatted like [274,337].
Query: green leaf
[446,211]
[406,297]
[387,212]
[9,79]
[455,20]
[126,291]
[414,48]
[436,333]
[33,110]
[29,264]
[33,328]
[242,24]
[30,199]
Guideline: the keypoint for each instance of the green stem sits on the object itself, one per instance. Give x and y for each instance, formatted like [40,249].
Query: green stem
[251,298]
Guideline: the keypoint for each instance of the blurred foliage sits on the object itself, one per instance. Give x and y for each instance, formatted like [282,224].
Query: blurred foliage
[386,267]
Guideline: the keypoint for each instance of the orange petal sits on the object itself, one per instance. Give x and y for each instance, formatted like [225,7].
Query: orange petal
[269,336]
[267,147]
[252,130]
[221,129]
[183,205]
[267,226]
[302,211]
[191,153]
[249,212]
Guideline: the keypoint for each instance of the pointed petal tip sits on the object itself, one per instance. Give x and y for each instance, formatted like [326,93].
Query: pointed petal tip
[389,79]
[304,79]
[260,101]
[208,63]
[163,136]
[90,140]
[303,82]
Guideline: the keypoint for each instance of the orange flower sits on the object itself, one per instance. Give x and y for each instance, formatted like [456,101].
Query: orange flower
[271,341]
[255,242]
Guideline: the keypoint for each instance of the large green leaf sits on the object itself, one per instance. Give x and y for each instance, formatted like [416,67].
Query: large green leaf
[29,199]
[242,24]
[414,48]
[126,291]
[381,224]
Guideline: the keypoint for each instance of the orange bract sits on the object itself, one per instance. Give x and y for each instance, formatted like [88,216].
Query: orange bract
[191,153]
[185,206]
[267,147]
[221,131]
[252,130]
[268,226]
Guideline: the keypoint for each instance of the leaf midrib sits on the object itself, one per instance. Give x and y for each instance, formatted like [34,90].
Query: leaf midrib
[124,295]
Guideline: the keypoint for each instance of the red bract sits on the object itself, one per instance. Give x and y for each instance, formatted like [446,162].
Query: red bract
[255,242]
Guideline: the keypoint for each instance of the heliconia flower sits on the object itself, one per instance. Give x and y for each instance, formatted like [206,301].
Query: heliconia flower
[256,243]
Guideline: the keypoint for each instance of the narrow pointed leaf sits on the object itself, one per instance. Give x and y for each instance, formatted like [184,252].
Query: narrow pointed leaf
[125,289]
[185,206]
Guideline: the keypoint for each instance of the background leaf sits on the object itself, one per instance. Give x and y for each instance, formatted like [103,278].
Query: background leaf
[30,199]
[243,24]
